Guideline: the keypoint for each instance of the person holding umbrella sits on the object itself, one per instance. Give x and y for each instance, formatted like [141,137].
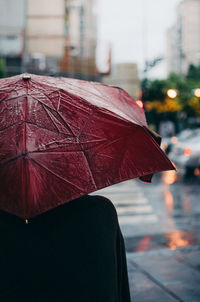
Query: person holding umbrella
[60,140]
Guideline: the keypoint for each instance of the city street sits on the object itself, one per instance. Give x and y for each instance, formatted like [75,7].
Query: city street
[160,223]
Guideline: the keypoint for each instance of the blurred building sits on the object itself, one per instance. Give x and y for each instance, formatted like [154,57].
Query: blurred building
[12,23]
[124,75]
[45,34]
[81,31]
[183,39]
[49,37]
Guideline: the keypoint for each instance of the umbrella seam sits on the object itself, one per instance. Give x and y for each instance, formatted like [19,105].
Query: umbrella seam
[99,108]
[105,99]
[91,174]
[48,113]
[45,168]
[59,88]
[10,160]
[24,176]
[156,145]
[17,123]
[50,130]
[45,105]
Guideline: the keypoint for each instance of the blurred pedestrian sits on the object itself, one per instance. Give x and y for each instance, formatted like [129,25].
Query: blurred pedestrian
[72,253]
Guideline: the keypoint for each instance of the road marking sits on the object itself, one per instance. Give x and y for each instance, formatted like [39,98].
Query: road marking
[137,219]
[122,202]
[134,209]
[130,202]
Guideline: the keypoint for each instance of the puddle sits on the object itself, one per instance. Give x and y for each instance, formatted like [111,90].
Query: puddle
[172,240]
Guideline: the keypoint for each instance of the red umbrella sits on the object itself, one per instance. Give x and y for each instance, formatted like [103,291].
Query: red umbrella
[62,138]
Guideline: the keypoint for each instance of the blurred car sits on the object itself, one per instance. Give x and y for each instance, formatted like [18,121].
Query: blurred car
[186,154]
[168,143]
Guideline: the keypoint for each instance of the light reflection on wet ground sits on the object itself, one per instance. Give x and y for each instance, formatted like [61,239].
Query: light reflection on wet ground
[172,240]
[177,204]
[164,214]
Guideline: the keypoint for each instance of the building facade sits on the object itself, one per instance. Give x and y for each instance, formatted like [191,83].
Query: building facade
[12,25]
[124,75]
[183,39]
[49,36]
[45,33]
[81,30]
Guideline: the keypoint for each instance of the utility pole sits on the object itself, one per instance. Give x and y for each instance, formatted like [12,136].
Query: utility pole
[145,36]
[25,50]
[180,51]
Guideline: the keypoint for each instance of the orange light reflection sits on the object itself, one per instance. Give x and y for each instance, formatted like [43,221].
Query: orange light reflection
[197,172]
[177,239]
[187,151]
[139,103]
[144,244]
[169,200]
[169,177]
[174,139]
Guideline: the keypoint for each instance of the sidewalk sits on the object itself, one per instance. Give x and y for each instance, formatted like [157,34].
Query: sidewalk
[165,275]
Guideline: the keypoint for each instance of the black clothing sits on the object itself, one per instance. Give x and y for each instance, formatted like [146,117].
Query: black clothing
[74,253]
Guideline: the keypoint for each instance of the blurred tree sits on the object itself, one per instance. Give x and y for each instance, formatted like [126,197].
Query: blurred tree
[2,68]
[153,90]
[168,105]
[193,73]
[158,106]
[194,104]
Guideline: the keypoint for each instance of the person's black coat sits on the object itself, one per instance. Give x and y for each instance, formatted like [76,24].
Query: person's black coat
[74,253]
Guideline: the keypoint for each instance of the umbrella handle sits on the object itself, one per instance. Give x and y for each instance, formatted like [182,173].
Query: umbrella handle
[26,221]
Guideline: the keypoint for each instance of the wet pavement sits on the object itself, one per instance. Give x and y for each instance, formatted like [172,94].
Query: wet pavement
[165,275]
[161,227]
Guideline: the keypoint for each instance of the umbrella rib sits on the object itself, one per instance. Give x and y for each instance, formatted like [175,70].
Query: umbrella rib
[45,105]
[69,101]
[42,127]
[66,144]
[40,101]
[156,145]
[10,160]
[91,174]
[54,152]
[100,107]
[17,123]
[50,118]
[10,99]
[36,83]
[87,91]
[107,144]
[53,173]
[54,131]
[94,94]
[39,126]
[128,107]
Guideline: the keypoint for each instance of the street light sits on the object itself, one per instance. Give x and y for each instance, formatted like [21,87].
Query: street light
[197,92]
[172,93]
[139,103]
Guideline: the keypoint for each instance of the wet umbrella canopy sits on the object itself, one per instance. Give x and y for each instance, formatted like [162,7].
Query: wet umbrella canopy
[62,138]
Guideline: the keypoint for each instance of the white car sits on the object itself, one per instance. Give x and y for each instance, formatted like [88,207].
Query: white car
[186,155]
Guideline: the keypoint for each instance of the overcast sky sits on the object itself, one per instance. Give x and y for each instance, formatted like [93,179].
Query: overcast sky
[136,30]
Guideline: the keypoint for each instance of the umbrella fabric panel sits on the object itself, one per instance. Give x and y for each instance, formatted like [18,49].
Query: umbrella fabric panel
[12,143]
[126,156]
[12,188]
[31,185]
[12,111]
[113,99]
[64,138]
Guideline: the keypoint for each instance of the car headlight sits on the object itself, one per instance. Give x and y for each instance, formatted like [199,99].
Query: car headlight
[187,151]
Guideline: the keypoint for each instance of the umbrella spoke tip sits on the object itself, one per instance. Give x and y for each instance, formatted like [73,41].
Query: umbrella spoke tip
[26,77]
